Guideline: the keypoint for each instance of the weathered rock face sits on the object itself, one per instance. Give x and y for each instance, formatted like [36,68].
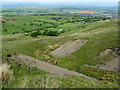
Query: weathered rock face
[106,52]
[69,47]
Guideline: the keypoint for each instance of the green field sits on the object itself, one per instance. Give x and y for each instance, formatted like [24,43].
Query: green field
[29,23]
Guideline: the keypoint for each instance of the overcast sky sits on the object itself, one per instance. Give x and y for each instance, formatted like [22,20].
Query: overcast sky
[60,0]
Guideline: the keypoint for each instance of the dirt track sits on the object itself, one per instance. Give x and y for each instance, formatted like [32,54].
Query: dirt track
[69,47]
[29,61]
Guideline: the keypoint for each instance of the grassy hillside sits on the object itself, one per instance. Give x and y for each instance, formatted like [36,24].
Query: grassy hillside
[100,36]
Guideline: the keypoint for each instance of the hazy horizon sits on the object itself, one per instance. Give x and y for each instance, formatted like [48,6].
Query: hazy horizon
[60,1]
[99,4]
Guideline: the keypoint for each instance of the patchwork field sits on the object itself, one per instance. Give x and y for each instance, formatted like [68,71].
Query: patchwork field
[13,24]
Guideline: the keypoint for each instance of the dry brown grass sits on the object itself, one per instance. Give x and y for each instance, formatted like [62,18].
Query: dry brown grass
[36,53]
[6,74]
[49,82]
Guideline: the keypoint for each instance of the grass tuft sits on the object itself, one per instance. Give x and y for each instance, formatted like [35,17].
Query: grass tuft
[6,75]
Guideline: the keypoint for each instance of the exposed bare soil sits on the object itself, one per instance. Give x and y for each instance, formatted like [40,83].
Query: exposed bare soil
[69,47]
[32,62]
[107,51]
[111,65]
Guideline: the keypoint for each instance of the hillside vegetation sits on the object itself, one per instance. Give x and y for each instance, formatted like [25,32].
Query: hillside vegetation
[100,35]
